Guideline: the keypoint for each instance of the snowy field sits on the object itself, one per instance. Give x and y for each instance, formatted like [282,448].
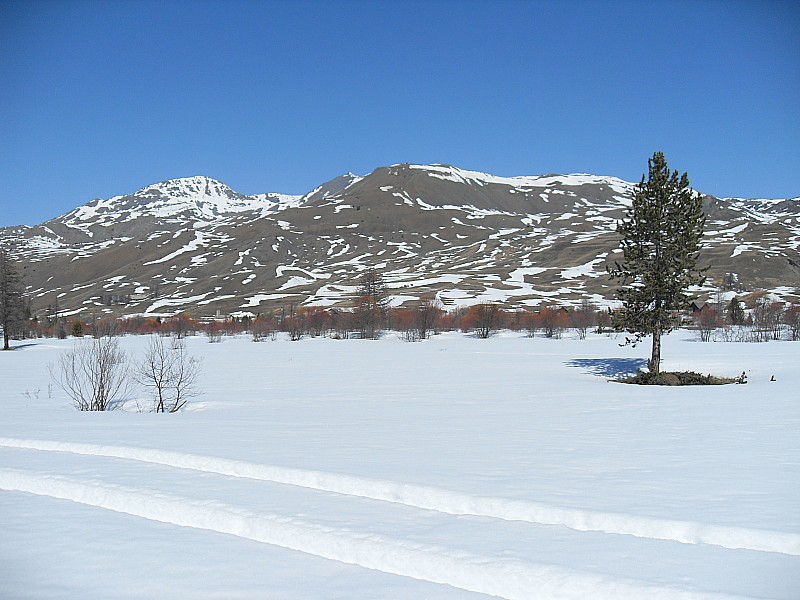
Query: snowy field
[451,468]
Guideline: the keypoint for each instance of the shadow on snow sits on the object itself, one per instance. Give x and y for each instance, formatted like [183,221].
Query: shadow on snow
[609,367]
[19,346]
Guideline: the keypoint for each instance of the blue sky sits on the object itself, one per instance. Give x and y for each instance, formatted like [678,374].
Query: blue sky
[102,98]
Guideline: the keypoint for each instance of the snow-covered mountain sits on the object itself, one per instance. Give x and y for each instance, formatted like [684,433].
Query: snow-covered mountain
[196,245]
[197,199]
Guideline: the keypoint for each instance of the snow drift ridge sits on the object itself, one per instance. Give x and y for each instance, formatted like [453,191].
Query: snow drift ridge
[445,501]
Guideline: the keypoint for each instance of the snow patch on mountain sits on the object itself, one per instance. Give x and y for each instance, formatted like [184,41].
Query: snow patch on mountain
[450,173]
[189,187]
[199,198]
[492,239]
[332,188]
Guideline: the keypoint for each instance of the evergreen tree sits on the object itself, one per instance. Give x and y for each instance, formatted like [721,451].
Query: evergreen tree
[735,312]
[12,302]
[660,243]
[77,329]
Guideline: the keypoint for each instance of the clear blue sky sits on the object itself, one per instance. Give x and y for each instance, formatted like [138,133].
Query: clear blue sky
[101,98]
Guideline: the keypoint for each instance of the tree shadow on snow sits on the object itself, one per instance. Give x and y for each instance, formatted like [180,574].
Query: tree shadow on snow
[19,346]
[613,368]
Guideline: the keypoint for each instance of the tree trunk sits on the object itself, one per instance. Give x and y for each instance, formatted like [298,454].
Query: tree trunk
[5,339]
[655,359]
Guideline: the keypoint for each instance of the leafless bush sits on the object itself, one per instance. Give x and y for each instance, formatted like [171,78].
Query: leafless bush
[427,315]
[410,334]
[169,373]
[294,324]
[214,335]
[263,328]
[791,318]
[732,333]
[531,323]
[706,320]
[583,317]
[553,321]
[94,374]
[104,328]
[767,317]
[484,319]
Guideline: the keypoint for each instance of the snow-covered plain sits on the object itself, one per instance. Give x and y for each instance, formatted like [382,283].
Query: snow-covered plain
[450,468]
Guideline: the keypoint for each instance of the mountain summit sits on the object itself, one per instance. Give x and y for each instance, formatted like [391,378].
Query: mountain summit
[194,244]
[189,187]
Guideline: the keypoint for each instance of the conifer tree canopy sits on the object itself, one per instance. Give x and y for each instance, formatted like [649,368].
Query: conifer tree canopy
[12,306]
[661,237]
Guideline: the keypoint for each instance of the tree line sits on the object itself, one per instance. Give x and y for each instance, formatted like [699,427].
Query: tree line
[759,318]
[755,318]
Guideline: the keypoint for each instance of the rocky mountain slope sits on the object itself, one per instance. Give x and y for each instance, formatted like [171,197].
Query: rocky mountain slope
[195,245]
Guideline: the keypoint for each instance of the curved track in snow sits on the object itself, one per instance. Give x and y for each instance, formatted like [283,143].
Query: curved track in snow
[442,500]
[511,579]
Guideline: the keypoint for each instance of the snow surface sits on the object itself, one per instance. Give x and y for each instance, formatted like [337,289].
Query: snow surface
[451,468]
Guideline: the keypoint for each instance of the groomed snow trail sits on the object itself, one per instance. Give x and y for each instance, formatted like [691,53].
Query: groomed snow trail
[509,579]
[443,501]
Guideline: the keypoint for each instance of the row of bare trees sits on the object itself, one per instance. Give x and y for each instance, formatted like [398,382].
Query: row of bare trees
[550,320]
[370,315]
[760,320]
[368,319]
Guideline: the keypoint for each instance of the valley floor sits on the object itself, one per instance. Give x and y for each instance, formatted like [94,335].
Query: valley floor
[450,468]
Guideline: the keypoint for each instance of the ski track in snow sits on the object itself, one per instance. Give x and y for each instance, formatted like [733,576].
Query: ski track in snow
[442,500]
[511,579]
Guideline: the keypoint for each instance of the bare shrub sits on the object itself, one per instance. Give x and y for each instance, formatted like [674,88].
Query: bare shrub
[554,321]
[732,333]
[214,337]
[317,321]
[791,317]
[706,320]
[104,328]
[410,334]
[531,323]
[294,324]
[94,374]
[427,315]
[767,317]
[263,328]
[583,317]
[484,319]
[214,332]
[169,373]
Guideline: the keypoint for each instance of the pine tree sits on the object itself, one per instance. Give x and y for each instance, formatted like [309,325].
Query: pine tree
[735,312]
[12,302]
[660,244]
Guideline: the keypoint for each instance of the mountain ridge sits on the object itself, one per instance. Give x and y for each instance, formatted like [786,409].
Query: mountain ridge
[194,244]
